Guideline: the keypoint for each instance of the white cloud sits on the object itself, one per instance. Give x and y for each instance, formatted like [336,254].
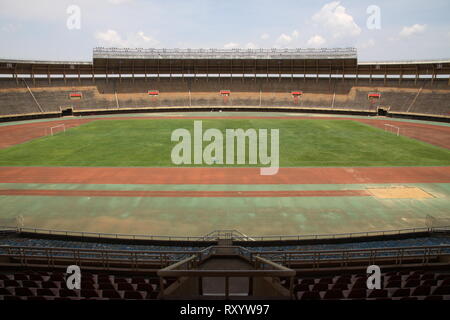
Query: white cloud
[265,36]
[413,30]
[295,34]
[284,39]
[251,45]
[231,45]
[112,38]
[334,18]
[316,41]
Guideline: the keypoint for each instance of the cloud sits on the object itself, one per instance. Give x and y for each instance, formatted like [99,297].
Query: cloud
[251,45]
[265,36]
[284,39]
[316,41]
[231,45]
[412,30]
[112,38]
[295,34]
[334,18]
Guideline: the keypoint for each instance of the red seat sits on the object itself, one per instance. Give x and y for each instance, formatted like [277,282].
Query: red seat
[413,283]
[10,283]
[23,292]
[5,292]
[421,291]
[304,281]
[66,293]
[401,293]
[320,287]
[29,284]
[333,294]
[49,284]
[138,280]
[340,286]
[378,293]
[133,295]
[45,292]
[144,287]
[297,288]
[310,295]
[89,293]
[326,280]
[357,294]
[106,286]
[111,294]
[442,290]
[394,284]
[125,286]
[20,276]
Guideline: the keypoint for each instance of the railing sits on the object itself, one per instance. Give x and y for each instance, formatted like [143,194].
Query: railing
[184,268]
[51,257]
[215,235]
[346,257]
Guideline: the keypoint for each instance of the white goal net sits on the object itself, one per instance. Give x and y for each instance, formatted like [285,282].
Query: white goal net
[391,128]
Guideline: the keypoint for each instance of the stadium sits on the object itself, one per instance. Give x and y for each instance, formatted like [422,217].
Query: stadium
[86,177]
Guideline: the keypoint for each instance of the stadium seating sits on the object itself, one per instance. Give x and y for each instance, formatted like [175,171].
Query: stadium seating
[402,285]
[52,286]
[422,97]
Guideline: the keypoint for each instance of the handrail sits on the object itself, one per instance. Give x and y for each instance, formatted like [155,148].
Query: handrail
[208,237]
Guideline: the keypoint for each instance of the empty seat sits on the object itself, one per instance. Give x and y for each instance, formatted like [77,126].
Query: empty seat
[20,276]
[394,278]
[106,286]
[394,284]
[66,293]
[4,277]
[320,287]
[310,295]
[10,283]
[5,292]
[37,298]
[443,290]
[138,280]
[421,291]
[378,293]
[340,286]
[412,283]
[89,293]
[434,298]
[87,286]
[333,294]
[428,276]
[35,277]
[125,286]
[29,284]
[120,280]
[326,280]
[45,292]
[111,294]
[146,287]
[344,279]
[297,288]
[134,295]
[357,294]
[49,284]
[401,293]
[430,283]
[23,292]
[304,281]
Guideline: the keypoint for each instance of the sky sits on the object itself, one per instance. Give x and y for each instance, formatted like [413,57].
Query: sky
[68,30]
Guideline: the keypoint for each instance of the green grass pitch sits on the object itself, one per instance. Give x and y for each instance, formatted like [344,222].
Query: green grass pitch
[146,143]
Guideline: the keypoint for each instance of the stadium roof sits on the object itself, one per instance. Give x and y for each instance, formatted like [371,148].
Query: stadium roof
[122,61]
[235,54]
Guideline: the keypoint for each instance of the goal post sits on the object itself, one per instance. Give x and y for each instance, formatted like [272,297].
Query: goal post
[58,128]
[392,128]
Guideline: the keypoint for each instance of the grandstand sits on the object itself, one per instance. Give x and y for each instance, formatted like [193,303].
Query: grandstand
[330,80]
[223,265]
[292,85]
